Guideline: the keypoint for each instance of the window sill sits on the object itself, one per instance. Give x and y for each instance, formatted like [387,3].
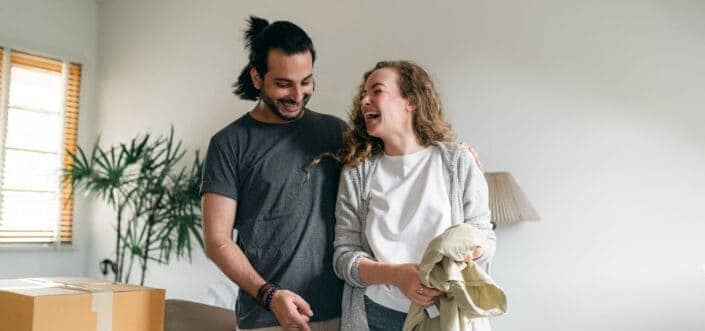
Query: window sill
[37,248]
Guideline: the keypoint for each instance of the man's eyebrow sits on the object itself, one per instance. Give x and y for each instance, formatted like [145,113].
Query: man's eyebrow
[286,80]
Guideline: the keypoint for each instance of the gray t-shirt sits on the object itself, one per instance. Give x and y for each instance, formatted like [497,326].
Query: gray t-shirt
[285,221]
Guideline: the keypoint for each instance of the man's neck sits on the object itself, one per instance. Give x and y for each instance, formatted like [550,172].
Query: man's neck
[261,113]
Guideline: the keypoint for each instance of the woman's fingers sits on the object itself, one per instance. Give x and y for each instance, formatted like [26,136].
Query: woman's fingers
[422,300]
[428,292]
[424,295]
[477,253]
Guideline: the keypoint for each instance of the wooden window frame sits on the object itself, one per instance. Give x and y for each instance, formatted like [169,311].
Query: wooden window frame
[72,76]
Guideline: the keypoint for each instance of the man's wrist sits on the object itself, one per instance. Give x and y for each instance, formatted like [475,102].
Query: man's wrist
[265,294]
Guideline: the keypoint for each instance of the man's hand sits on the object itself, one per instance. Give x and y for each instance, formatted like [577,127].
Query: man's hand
[292,311]
[407,280]
[472,151]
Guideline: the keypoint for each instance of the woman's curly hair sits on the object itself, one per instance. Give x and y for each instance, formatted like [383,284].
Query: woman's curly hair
[428,121]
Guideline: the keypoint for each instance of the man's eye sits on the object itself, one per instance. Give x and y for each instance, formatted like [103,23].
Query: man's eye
[307,82]
[282,85]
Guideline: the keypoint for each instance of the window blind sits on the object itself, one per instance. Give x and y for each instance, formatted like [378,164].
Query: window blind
[39,123]
[73,87]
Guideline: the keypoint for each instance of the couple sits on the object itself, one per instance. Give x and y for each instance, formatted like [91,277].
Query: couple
[304,223]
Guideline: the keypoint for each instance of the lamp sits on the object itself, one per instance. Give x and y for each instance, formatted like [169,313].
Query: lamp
[508,202]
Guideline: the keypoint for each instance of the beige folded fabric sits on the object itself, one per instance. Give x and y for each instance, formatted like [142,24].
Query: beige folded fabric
[471,293]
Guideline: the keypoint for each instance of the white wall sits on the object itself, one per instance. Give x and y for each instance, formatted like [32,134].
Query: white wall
[597,108]
[65,29]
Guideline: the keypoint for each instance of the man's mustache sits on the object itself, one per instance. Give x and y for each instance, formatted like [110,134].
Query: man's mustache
[293,102]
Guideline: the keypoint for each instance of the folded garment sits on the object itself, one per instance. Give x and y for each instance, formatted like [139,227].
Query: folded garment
[471,294]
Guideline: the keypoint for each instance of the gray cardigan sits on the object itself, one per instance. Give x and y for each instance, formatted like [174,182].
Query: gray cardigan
[469,202]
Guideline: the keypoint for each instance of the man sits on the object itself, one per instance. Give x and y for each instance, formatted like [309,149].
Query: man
[256,179]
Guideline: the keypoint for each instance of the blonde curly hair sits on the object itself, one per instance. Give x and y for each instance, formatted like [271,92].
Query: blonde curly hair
[428,120]
[417,87]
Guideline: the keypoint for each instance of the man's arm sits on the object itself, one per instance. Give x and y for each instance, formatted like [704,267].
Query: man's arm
[219,212]
[218,222]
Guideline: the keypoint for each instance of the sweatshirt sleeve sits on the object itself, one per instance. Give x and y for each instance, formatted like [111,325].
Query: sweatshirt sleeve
[476,207]
[348,247]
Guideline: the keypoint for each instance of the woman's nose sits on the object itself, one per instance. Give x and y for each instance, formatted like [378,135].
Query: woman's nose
[365,100]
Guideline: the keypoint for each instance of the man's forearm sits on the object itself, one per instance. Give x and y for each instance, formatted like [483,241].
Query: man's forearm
[233,263]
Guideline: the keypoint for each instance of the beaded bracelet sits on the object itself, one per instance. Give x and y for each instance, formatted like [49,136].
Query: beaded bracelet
[265,294]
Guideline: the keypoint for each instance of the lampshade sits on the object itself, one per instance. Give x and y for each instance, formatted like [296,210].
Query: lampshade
[507,201]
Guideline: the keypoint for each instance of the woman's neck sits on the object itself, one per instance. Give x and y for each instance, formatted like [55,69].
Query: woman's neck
[401,145]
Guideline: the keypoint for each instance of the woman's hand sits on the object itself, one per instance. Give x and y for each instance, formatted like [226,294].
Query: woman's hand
[407,280]
[477,253]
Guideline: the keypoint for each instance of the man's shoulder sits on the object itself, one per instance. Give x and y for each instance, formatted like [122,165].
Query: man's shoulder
[232,129]
[326,119]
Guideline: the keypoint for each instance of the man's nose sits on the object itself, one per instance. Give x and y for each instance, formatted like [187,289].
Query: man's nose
[297,93]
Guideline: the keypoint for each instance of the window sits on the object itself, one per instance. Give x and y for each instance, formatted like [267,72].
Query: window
[39,99]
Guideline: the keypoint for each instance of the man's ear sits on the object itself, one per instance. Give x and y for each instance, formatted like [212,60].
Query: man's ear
[256,79]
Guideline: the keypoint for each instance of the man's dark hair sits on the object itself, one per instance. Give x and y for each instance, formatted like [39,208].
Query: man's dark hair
[260,38]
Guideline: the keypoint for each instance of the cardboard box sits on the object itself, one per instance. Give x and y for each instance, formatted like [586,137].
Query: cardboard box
[78,304]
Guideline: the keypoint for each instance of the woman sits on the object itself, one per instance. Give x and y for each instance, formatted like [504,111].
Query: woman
[404,182]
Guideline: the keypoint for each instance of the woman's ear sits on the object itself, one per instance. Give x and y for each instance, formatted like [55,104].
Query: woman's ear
[410,107]
[256,79]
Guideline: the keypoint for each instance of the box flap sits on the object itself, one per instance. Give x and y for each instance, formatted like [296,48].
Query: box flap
[64,286]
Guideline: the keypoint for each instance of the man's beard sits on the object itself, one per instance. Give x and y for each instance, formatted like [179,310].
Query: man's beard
[272,106]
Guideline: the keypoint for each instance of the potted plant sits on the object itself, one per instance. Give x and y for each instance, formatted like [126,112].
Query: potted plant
[157,203]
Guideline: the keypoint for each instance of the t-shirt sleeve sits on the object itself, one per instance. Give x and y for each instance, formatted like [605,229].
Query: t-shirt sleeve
[220,170]
[343,126]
